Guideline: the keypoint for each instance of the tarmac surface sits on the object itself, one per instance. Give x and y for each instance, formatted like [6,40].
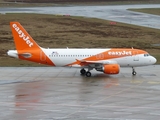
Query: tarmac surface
[34,93]
[118,13]
[38,93]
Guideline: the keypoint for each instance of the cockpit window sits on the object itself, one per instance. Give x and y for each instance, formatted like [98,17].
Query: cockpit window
[145,55]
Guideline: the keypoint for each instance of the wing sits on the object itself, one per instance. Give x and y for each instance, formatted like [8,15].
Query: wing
[94,64]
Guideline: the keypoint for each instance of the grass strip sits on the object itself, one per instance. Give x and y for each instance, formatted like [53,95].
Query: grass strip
[61,31]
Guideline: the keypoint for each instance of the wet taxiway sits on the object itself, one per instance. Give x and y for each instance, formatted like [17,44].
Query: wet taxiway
[117,13]
[33,93]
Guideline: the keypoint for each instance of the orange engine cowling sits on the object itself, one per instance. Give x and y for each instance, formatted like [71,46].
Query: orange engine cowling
[111,69]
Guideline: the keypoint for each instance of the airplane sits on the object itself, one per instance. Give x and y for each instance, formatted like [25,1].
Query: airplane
[107,60]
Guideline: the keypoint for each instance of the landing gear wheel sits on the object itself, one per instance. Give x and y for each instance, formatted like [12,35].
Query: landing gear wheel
[88,74]
[134,73]
[83,71]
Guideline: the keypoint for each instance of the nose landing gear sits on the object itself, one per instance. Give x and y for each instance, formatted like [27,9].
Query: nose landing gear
[133,71]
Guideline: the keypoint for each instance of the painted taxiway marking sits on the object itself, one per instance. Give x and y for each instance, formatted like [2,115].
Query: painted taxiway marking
[154,82]
[137,81]
[149,82]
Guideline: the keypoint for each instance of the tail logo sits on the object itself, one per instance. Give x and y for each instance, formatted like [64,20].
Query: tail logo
[22,35]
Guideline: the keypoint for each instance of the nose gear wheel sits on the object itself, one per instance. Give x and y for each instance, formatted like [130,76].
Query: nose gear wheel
[133,71]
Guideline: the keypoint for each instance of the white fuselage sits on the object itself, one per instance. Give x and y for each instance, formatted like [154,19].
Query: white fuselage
[63,57]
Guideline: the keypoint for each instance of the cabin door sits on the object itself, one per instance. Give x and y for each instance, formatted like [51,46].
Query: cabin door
[135,56]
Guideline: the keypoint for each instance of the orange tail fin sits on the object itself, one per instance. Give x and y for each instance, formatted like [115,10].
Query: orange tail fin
[26,47]
[22,39]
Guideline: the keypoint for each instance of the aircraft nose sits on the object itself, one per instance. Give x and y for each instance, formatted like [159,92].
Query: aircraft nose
[153,60]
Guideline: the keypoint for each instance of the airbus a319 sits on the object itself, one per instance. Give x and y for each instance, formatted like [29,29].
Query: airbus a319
[108,60]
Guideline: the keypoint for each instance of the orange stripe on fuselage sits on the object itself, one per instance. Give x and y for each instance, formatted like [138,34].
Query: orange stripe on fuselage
[110,54]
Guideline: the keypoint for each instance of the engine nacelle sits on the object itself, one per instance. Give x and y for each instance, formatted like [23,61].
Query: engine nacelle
[111,69]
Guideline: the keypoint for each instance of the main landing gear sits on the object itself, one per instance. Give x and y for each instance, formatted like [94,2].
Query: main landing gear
[133,71]
[88,73]
[84,72]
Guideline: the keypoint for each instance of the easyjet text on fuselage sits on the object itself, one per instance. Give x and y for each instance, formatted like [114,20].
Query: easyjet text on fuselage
[120,53]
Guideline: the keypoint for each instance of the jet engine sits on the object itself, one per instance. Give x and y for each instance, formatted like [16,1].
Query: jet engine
[109,69]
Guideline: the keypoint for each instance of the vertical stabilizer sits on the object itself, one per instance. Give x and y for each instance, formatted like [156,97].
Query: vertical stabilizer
[21,37]
[27,48]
